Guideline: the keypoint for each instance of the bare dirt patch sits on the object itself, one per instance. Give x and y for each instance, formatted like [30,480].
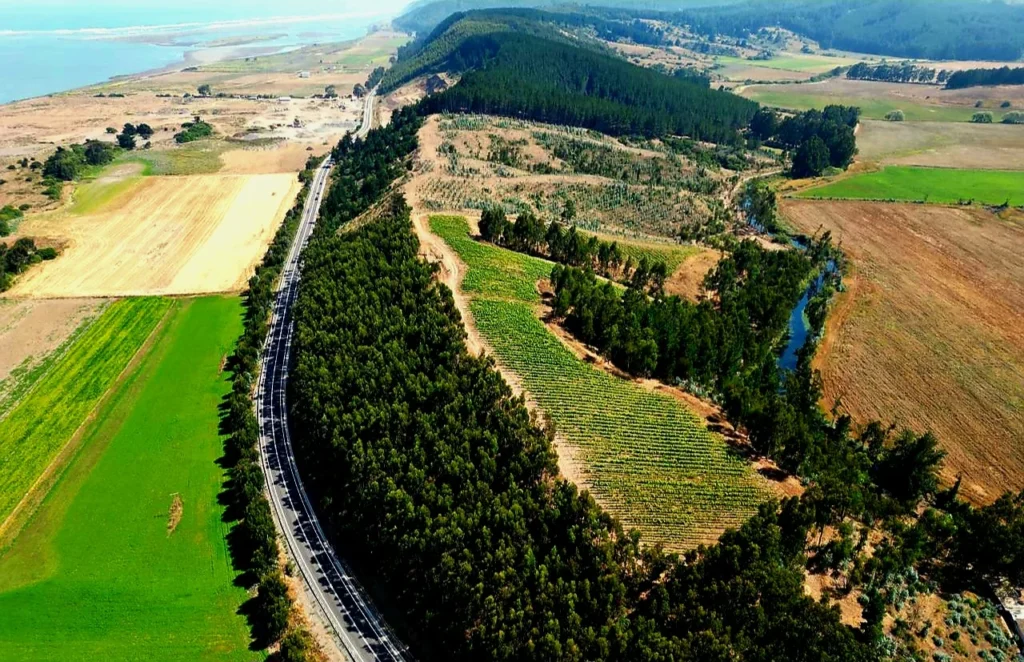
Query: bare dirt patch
[688,280]
[930,333]
[174,513]
[166,235]
[30,330]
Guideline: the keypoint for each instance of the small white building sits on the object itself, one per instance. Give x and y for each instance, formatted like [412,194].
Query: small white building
[284,99]
[303,74]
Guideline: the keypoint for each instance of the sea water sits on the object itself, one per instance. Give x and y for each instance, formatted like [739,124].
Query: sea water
[49,46]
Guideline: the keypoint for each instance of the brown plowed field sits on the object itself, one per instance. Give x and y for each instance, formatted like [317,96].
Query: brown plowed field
[164,235]
[931,332]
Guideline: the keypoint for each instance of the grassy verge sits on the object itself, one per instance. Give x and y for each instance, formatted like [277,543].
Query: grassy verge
[42,423]
[201,157]
[106,570]
[647,457]
[939,185]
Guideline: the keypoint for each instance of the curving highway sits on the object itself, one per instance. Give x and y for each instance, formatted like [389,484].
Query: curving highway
[356,624]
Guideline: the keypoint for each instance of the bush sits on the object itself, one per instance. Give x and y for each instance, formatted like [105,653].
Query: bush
[982,118]
[47,253]
[895,116]
[298,646]
[194,130]
[1014,117]
[1005,104]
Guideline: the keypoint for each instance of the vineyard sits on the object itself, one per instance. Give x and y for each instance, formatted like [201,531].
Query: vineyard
[646,458]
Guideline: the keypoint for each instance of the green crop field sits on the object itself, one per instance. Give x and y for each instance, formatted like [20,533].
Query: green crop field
[940,185]
[872,109]
[35,430]
[97,574]
[493,272]
[646,457]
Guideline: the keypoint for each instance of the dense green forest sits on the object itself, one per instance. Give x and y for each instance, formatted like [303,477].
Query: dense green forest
[933,29]
[521,75]
[445,489]
[977,77]
[439,50]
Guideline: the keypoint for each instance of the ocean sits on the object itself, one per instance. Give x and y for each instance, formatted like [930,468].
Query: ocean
[50,46]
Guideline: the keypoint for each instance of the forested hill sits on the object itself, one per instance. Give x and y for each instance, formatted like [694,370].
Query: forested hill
[522,63]
[440,50]
[422,17]
[933,29]
[524,76]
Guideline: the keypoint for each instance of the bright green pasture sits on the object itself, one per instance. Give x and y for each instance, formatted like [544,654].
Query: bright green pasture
[494,272]
[941,185]
[647,457]
[872,109]
[35,430]
[96,574]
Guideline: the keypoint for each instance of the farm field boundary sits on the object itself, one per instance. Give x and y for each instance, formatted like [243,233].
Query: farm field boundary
[160,236]
[35,431]
[938,185]
[646,457]
[135,521]
[874,109]
[930,332]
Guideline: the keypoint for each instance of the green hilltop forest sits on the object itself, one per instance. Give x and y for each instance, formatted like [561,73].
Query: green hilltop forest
[513,64]
[932,29]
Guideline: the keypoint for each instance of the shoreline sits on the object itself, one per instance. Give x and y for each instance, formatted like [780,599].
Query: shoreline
[197,57]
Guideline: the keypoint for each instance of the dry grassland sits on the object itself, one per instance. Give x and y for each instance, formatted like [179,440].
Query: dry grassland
[930,333]
[165,235]
[942,144]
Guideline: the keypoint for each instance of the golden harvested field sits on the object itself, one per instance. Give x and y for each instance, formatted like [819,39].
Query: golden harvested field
[930,333]
[163,235]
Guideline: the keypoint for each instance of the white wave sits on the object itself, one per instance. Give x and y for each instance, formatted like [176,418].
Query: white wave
[172,28]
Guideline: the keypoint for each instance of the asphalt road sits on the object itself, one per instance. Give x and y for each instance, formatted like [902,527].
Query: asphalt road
[346,608]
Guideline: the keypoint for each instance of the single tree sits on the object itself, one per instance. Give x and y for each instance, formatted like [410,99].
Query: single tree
[811,159]
[205,90]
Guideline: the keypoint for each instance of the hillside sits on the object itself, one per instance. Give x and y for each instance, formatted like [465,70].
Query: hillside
[524,64]
[942,29]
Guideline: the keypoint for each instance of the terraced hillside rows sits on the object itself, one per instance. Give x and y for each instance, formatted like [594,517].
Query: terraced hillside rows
[645,457]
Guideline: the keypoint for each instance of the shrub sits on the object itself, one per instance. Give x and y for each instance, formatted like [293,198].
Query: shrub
[982,118]
[1014,117]
[895,116]
[1005,104]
